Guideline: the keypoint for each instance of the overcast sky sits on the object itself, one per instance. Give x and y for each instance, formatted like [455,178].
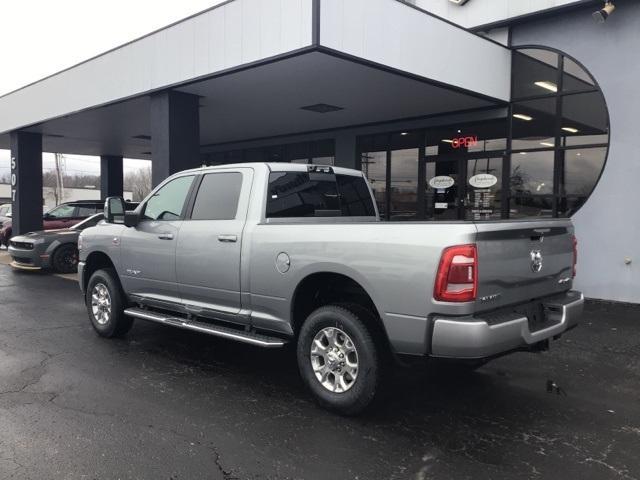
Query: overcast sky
[41,37]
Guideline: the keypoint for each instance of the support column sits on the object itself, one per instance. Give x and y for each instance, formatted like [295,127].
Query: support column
[346,150]
[111,176]
[175,134]
[26,182]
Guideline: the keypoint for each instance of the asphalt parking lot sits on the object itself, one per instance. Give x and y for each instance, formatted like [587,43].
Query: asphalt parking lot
[168,404]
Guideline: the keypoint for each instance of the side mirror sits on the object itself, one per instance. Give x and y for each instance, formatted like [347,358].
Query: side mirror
[131,218]
[114,210]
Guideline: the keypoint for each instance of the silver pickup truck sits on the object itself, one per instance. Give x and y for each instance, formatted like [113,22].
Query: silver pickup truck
[277,254]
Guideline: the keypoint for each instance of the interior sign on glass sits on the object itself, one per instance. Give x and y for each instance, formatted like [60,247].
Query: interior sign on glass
[471,141]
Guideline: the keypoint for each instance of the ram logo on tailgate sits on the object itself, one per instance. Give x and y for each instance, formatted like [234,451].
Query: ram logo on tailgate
[536,260]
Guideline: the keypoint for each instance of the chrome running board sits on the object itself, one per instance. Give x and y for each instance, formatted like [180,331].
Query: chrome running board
[201,327]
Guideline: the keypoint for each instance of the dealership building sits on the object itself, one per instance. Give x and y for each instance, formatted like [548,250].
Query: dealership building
[476,110]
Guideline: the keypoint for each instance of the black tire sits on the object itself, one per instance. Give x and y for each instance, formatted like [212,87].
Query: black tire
[367,382]
[116,323]
[65,259]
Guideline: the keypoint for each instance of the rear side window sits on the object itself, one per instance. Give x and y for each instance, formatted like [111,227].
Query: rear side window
[86,210]
[355,197]
[315,194]
[218,197]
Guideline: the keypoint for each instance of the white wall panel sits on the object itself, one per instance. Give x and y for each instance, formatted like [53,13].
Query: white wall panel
[233,34]
[391,33]
[482,12]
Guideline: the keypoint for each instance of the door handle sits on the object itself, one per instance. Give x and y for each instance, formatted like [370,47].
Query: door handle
[165,236]
[228,238]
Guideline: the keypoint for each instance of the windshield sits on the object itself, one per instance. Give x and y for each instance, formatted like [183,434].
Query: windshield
[89,222]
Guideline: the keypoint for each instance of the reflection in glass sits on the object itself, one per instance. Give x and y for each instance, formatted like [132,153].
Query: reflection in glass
[535,72]
[569,206]
[534,206]
[532,173]
[534,124]
[374,166]
[580,170]
[575,78]
[404,183]
[584,119]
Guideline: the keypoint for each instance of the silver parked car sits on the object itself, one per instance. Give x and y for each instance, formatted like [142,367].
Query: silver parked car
[270,254]
[56,250]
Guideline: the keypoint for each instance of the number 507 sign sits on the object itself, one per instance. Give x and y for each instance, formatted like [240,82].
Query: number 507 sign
[13,179]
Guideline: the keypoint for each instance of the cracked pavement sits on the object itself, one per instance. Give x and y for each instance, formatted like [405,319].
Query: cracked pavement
[168,404]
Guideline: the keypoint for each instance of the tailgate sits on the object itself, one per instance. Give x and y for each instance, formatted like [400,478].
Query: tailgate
[519,261]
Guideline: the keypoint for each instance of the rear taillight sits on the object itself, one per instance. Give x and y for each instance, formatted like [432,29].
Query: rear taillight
[575,254]
[457,277]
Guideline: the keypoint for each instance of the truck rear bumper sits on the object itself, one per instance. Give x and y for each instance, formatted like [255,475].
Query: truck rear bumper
[488,335]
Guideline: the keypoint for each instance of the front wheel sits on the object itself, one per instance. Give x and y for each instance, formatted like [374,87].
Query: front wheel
[339,359]
[65,259]
[105,302]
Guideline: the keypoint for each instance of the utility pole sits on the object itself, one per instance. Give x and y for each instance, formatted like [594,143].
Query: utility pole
[59,178]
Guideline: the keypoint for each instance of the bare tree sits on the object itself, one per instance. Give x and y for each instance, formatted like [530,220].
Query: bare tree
[138,183]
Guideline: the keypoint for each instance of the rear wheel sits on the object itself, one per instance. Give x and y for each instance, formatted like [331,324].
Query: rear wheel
[339,359]
[105,302]
[65,259]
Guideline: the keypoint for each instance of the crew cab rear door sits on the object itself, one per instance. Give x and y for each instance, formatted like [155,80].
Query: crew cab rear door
[519,261]
[209,244]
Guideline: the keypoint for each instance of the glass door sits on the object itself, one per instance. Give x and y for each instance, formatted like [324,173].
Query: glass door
[444,187]
[483,196]
[460,187]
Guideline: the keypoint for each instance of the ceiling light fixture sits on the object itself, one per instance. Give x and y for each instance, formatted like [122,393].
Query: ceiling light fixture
[601,15]
[547,144]
[522,116]
[547,85]
[446,141]
[404,133]
[570,129]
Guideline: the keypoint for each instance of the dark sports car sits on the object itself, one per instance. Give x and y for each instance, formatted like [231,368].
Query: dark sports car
[55,250]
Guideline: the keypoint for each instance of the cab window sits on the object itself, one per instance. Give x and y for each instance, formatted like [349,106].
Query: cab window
[86,210]
[218,197]
[62,211]
[167,203]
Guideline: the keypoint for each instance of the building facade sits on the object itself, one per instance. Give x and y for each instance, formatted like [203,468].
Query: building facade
[482,111]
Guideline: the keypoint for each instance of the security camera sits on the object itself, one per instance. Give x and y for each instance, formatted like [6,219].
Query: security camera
[601,15]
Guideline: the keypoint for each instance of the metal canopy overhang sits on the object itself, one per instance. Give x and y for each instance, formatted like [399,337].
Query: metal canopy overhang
[370,82]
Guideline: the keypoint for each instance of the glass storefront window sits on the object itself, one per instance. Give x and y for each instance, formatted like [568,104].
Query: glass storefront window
[574,77]
[532,173]
[534,124]
[404,183]
[534,206]
[374,167]
[580,169]
[584,119]
[535,72]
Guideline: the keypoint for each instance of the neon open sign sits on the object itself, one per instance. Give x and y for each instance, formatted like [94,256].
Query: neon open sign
[467,142]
